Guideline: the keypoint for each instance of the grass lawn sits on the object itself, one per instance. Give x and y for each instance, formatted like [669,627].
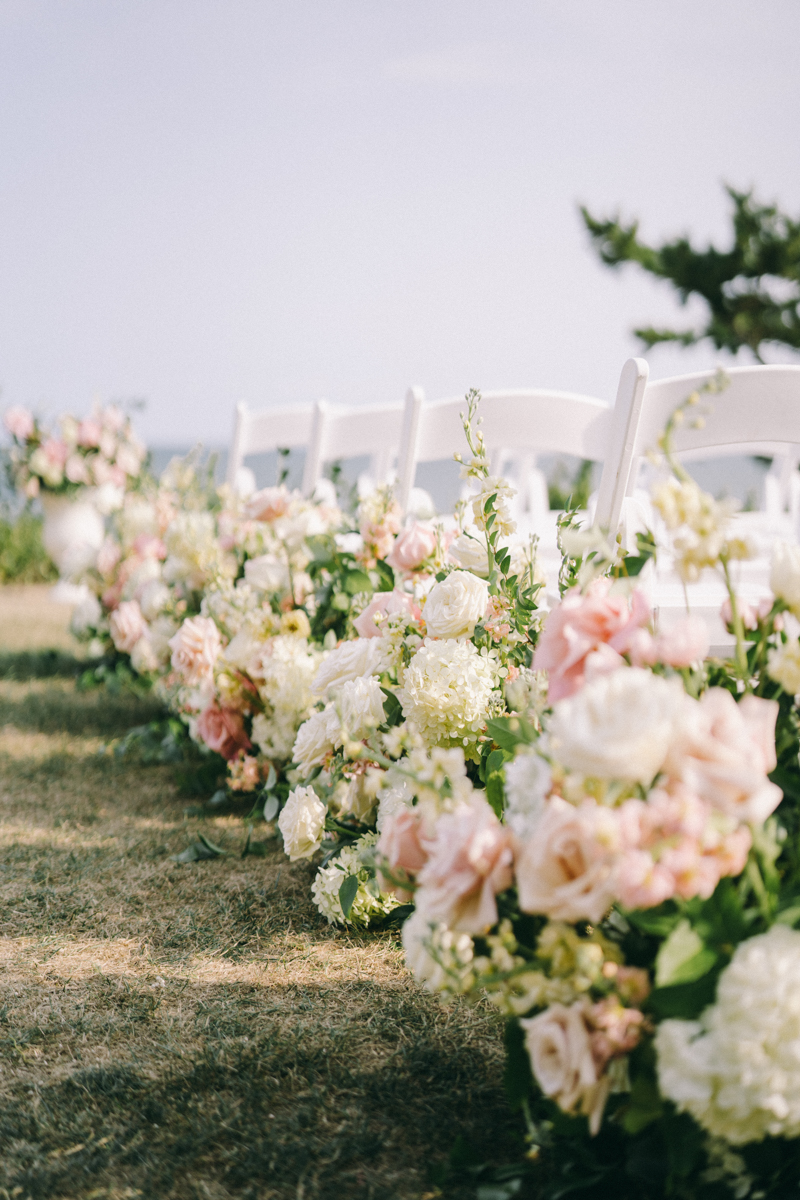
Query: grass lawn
[196,1030]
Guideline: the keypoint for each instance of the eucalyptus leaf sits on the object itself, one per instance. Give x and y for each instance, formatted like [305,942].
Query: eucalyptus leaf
[271,806]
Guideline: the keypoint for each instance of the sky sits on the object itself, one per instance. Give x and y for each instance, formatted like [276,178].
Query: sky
[206,201]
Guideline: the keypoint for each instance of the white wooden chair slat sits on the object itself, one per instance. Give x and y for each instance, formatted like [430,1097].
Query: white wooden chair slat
[266,430]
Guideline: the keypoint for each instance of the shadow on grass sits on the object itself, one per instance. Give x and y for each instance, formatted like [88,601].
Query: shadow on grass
[355,1106]
[98,713]
[22,665]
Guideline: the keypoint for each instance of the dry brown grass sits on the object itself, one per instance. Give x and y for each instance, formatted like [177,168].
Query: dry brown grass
[196,1030]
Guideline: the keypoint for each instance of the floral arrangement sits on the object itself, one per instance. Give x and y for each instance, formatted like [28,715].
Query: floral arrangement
[100,451]
[614,864]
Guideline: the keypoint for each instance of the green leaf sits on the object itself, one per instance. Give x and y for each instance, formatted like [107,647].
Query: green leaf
[495,792]
[271,806]
[683,957]
[517,1075]
[392,707]
[203,849]
[357,581]
[347,894]
[385,575]
[645,1107]
[685,1000]
[510,732]
[495,761]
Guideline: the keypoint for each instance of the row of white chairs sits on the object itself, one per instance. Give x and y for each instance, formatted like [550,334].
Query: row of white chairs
[759,413]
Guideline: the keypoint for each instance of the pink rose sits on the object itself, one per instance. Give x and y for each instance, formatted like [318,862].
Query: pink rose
[222,730]
[579,626]
[89,432]
[560,1049]
[57,451]
[385,603]
[108,556]
[195,649]
[750,614]
[412,547]
[127,625]
[565,869]
[19,423]
[403,849]
[268,504]
[724,752]
[76,470]
[469,863]
[684,643]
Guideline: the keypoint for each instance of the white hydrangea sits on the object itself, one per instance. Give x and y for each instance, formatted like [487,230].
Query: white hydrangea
[369,903]
[438,958]
[302,823]
[286,672]
[737,1069]
[232,606]
[446,690]
[528,781]
[359,706]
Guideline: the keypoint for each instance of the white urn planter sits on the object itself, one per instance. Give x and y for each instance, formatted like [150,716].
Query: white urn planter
[72,535]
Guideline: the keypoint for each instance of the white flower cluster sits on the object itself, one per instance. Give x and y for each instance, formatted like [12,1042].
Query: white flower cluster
[737,1069]
[286,672]
[446,690]
[302,822]
[369,903]
[437,957]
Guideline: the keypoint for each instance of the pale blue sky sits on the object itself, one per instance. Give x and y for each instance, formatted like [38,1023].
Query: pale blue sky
[204,201]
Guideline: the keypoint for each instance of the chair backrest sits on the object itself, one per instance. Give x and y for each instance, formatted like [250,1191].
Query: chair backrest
[526,419]
[268,429]
[760,409]
[339,432]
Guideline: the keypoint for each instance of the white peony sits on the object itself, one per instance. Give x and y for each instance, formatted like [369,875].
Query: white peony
[619,726]
[315,739]
[302,823]
[455,605]
[437,957]
[359,706]
[154,598]
[784,576]
[737,1069]
[446,690]
[528,782]
[268,573]
[348,661]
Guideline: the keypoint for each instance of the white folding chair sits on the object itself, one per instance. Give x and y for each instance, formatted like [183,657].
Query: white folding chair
[266,430]
[338,432]
[759,412]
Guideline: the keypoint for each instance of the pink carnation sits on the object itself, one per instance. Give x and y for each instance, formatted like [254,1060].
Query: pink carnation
[579,626]
[222,730]
[127,625]
[385,603]
[195,650]
[469,863]
[19,423]
[412,547]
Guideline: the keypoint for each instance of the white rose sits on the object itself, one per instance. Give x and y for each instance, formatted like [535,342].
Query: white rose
[349,661]
[560,1051]
[784,576]
[267,573]
[619,726]
[302,823]
[470,553]
[528,782]
[359,705]
[154,598]
[315,739]
[143,656]
[454,606]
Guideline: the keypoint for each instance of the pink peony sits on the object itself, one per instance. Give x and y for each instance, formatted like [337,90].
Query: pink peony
[268,504]
[403,848]
[385,603]
[469,863]
[565,869]
[724,753]
[195,649]
[19,423]
[579,626]
[127,625]
[89,432]
[412,547]
[222,730]
[684,643]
